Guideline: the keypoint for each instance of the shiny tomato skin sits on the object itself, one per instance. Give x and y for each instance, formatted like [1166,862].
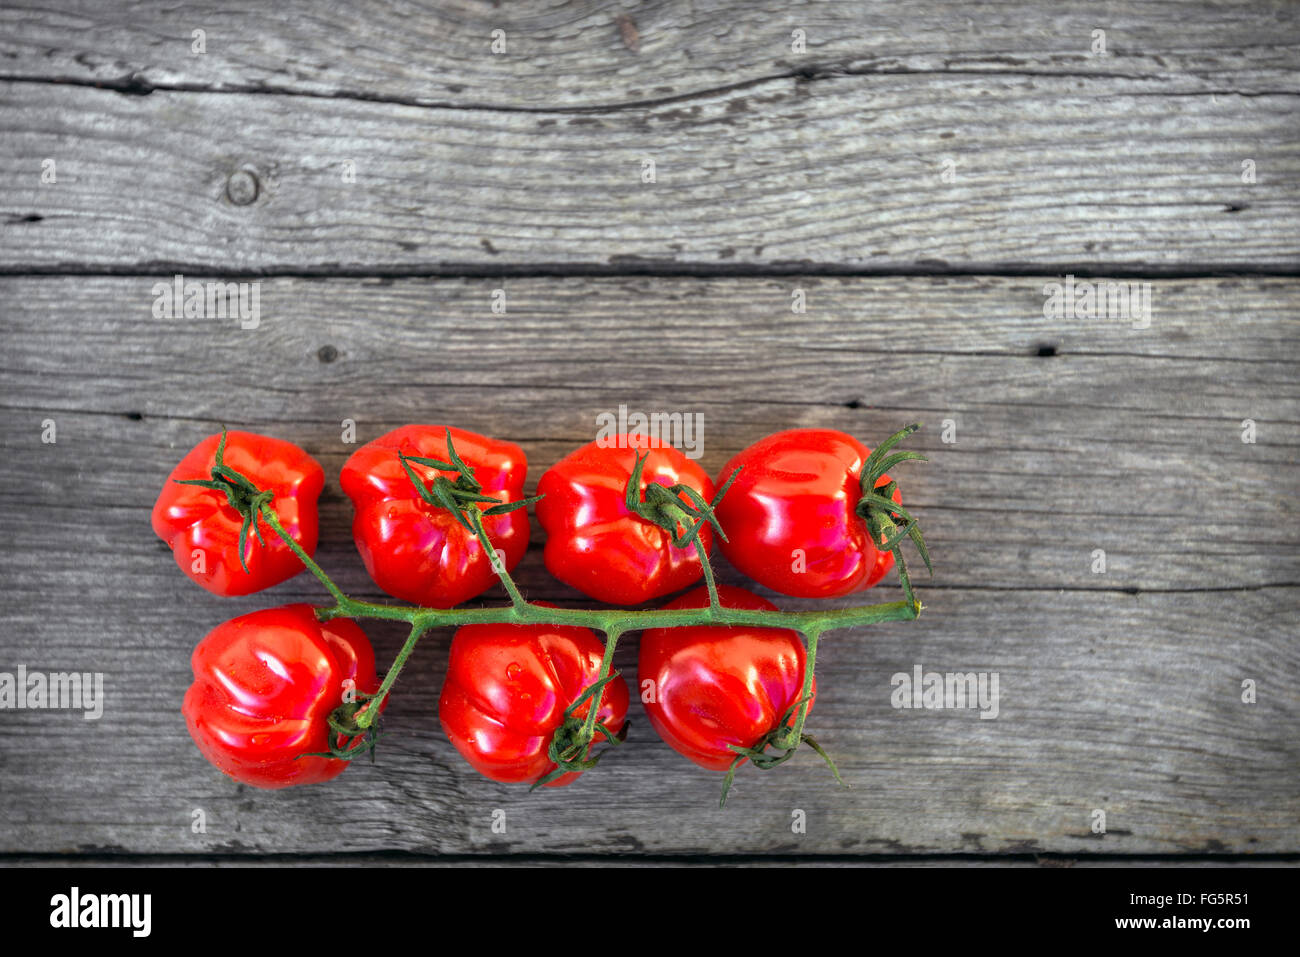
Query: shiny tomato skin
[264,685]
[797,490]
[188,517]
[715,686]
[506,691]
[599,547]
[421,553]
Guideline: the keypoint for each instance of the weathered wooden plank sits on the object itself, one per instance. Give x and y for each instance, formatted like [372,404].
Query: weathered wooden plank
[1069,172]
[593,54]
[407,859]
[1125,440]
[1124,702]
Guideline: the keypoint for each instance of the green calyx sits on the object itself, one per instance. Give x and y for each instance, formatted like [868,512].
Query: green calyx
[785,740]
[663,506]
[570,745]
[460,495]
[244,497]
[887,521]
[350,738]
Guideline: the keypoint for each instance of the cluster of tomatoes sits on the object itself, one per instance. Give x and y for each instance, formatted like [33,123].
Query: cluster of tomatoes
[626,522]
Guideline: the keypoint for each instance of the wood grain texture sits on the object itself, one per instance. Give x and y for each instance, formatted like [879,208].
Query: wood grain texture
[776,172]
[596,54]
[1121,425]
[847,174]
[406,859]
[1120,691]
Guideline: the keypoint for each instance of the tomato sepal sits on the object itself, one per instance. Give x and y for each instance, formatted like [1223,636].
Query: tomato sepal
[779,738]
[663,507]
[879,510]
[350,739]
[570,745]
[458,496]
[244,497]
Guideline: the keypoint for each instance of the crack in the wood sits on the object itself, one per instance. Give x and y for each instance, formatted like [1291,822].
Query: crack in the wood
[134,84]
[1041,858]
[626,268]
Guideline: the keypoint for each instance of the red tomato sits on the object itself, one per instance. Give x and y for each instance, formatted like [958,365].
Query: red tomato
[798,490]
[202,527]
[714,686]
[419,552]
[264,685]
[597,545]
[506,692]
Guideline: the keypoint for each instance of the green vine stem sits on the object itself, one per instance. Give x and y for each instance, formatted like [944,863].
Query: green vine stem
[788,737]
[366,717]
[269,516]
[508,583]
[889,523]
[606,664]
[621,620]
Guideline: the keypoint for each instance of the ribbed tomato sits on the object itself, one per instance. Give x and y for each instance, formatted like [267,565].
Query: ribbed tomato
[264,686]
[791,519]
[202,527]
[507,690]
[420,552]
[706,687]
[599,546]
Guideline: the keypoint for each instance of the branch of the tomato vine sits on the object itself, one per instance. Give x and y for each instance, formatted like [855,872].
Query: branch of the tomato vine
[789,739]
[604,620]
[606,664]
[612,622]
[366,717]
[498,563]
[268,514]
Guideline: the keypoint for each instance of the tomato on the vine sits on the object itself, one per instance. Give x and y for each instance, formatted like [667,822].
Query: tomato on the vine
[204,528]
[421,552]
[507,691]
[712,686]
[791,519]
[598,545]
[264,686]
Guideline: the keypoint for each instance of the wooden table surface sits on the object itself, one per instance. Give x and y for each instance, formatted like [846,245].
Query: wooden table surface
[914,173]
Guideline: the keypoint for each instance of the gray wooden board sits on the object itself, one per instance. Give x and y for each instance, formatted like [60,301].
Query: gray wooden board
[405,860]
[595,54]
[860,173]
[1121,691]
